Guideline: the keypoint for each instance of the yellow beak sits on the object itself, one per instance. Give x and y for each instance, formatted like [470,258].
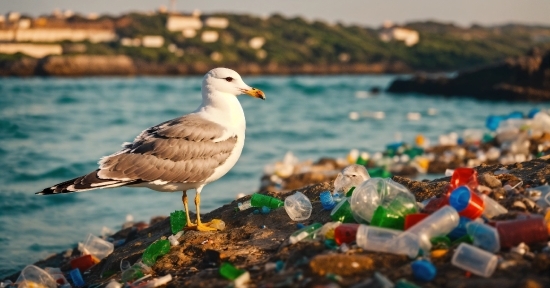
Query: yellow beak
[256,93]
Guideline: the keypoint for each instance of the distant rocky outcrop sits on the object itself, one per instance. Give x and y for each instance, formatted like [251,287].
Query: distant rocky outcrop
[525,78]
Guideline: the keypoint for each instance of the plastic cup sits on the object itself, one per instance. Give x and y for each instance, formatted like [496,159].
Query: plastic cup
[33,275]
[403,204]
[385,218]
[464,177]
[485,236]
[298,207]
[475,260]
[513,232]
[466,202]
[440,223]
[98,247]
[492,208]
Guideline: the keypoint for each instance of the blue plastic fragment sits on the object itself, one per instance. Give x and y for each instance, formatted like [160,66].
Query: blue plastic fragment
[265,210]
[326,200]
[423,270]
[256,212]
[300,226]
[76,277]
[279,265]
[533,112]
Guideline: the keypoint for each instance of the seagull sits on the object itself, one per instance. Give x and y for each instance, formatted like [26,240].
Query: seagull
[351,176]
[184,153]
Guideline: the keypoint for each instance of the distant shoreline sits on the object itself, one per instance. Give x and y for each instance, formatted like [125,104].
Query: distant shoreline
[121,65]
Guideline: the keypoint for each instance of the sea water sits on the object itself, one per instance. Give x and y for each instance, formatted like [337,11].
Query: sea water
[55,129]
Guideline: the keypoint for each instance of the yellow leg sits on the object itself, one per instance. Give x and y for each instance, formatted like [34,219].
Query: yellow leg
[200,225]
[184,200]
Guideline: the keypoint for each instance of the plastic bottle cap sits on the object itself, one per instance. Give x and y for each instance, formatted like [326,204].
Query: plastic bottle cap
[423,270]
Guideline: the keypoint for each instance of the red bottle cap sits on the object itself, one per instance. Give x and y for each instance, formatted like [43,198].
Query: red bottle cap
[466,202]
[464,177]
[345,233]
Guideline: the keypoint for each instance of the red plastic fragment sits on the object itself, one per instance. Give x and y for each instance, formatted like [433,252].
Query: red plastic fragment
[84,263]
[345,233]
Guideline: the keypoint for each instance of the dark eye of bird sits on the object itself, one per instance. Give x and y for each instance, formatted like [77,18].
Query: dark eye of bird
[228,79]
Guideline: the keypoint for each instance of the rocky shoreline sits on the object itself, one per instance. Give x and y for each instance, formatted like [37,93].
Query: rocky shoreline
[253,240]
[525,78]
[121,65]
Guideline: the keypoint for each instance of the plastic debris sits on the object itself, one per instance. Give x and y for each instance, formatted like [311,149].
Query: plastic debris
[260,200]
[57,276]
[342,212]
[327,200]
[485,236]
[217,223]
[84,262]
[351,176]
[298,207]
[178,220]
[306,232]
[244,205]
[97,247]
[345,233]
[423,270]
[439,223]
[466,202]
[265,210]
[155,250]
[174,238]
[491,207]
[513,232]
[475,260]
[132,274]
[76,277]
[32,276]
[113,284]
[380,239]
[228,271]
[156,282]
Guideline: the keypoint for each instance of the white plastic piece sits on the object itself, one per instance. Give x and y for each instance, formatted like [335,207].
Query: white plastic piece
[298,207]
[244,205]
[475,260]
[492,207]
[380,239]
[113,284]
[97,247]
[32,276]
[156,282]
[241,281]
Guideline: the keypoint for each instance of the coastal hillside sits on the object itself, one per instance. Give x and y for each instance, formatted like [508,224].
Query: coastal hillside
[169,43]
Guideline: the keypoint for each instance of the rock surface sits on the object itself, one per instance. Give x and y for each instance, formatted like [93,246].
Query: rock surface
[518,79]
[251,240]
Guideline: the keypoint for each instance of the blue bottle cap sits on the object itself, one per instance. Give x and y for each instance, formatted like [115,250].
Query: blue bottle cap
[460,198]
[423,270]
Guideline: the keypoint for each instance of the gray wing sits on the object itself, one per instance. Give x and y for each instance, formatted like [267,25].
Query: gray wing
[185,150]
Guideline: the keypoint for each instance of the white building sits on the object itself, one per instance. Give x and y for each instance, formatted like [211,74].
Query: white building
[189,33]
[34,50]
[410,37]
[152,41]
[60,34]
[217,22]
[209,36]
[24,24]
[180,23]
[256,42]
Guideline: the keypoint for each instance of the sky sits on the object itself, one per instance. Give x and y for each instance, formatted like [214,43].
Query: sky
[362,12]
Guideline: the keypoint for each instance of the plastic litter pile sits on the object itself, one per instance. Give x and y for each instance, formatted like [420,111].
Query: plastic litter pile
[381,215]
[507,139]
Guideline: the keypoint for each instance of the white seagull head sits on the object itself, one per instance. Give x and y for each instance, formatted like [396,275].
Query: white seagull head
[227,81]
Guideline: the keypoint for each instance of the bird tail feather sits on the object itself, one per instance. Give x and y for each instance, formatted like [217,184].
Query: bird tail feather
[84,183]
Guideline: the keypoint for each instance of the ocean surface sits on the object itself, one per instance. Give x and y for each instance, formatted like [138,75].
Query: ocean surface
[54,129]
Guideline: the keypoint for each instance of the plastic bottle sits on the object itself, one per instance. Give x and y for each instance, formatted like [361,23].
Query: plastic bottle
[412,219]
[459,230]
[386,240]
[485,236]
[298,207]
[155,250]
[342,212]
[383,217]
[308,231]
[345,233]
[440,223]
[466,202]
[475,260]
[178,220]
[326,200]
[259,200]
[531,230]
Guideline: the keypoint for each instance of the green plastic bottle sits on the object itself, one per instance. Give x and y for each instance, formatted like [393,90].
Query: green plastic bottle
[342,212]
[155,250]
[228,271]
[260,200]
[178,220]
[306,232]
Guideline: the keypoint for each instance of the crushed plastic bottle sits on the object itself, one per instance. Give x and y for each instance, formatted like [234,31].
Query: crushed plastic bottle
[178,220]
[298,207]
[155,250]
[306,232]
